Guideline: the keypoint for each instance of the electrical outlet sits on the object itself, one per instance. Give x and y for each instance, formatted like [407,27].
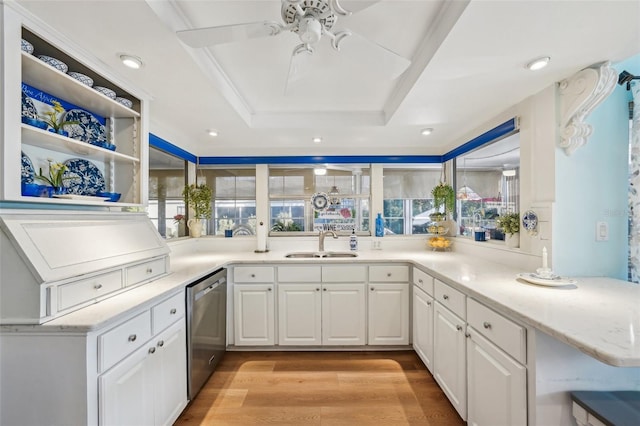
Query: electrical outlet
[602,231]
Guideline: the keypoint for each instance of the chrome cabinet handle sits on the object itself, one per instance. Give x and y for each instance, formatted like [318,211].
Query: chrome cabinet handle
[161,343]
[428,303]
[372,288]
[149,270]
[467,335]
[486,325]
[132,338]
[269,289]
[253,275]
[388,274]
[324,289]
[97,286]
[420,280]
[152,350]
[458,327]
[173,311]
[317,289]
[445,297]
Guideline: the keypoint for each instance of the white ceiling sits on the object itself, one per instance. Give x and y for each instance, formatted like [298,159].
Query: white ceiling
[467,66]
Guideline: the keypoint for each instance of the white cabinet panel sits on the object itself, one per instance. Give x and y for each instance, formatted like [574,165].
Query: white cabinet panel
[388,314]
[389,273]
[423,308]
[343,314]
[93,288]
[123,339]
[299,314]
[253,274]
[344,274]
[451,298]
[423,280]
[299,274]
[254,314]
[497,385]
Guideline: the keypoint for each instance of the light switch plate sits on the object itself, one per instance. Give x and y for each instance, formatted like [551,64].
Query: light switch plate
[602,231]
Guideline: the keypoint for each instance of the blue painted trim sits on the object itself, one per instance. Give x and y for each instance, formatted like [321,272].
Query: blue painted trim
[162,144]
[319,159]
[495,133]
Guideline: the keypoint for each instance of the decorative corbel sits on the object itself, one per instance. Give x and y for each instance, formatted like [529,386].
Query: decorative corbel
[579,95]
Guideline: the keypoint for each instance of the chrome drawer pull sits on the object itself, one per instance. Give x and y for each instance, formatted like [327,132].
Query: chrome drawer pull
[253,275]
[467,335]
[97,286]
[132,338]
[161,343]
[486,325]
[324,289]
[317,289]
[173,311]
[372,288]
[428,303]
[269,289]
[458,327]
[420,280]
[445,297]
[152,350]
[388,274]
[149,270]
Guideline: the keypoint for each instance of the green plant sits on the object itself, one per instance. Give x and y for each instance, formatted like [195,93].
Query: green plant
[509,223]
[56,174]
[52,119]
[198,197]
[444,195]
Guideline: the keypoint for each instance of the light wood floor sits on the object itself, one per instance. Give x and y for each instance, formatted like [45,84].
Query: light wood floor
[321,388]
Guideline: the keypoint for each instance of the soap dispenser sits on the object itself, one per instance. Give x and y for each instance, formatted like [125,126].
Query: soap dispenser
[353,241]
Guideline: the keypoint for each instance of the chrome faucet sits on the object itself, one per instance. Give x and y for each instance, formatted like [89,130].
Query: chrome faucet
[321,239]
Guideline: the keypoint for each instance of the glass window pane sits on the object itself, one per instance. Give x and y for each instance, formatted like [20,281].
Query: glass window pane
[167,177]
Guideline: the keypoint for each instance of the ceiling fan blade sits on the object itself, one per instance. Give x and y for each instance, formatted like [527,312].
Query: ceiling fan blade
[300,65]
[203,37]
[347,7]
[377,58]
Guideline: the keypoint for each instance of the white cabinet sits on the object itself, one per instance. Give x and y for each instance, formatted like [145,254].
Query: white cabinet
[497,385]
[423,308]
[388,317]
[321,314]
[123,170]
[149,386]
[254,314]
[449,357]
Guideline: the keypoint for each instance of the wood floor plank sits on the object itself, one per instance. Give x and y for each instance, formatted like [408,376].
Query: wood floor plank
[321,388]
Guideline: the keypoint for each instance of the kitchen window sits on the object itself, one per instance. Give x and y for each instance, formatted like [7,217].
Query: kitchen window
[407,198]
[302,200]
[167,178]
[234,199]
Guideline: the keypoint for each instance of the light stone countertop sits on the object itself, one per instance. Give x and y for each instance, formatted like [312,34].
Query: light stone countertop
[599,316]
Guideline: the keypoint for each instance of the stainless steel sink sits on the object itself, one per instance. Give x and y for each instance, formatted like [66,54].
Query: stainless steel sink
[320,254]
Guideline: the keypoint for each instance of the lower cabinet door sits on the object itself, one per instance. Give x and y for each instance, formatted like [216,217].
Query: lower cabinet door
[343,314]
[171,375]
[388,314]
[299,314]
[497,385]
[449,357]
[254,314]
[126,396]
[423,326]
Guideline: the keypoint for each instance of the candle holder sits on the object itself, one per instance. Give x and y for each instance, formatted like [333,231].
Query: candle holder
[545,272]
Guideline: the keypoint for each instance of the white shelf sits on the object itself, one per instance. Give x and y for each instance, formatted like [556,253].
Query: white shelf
[48,79]
[76,202]
[55,142]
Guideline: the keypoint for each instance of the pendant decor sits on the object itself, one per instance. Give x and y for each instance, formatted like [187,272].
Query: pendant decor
[579,95]
[530,222]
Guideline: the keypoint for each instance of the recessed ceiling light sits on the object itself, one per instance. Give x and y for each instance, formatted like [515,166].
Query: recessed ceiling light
[212,132]
[319,171]
[538,63]
[509,172]
[131,61]
[427,131]
[317,139]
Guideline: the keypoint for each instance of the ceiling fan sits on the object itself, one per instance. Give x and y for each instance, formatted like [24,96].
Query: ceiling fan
[311,20]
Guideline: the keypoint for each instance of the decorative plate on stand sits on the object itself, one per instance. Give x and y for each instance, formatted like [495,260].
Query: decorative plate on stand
[28,173]
[319,201]
[83,177]
[88,129]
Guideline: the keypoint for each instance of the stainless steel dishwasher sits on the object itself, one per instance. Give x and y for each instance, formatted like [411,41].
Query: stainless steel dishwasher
[206,328]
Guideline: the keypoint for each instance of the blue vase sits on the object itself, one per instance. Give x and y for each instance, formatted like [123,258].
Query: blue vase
[379,226]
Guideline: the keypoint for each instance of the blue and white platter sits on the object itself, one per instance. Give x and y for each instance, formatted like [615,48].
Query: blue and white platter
[83,177]
[28,173]
[88,129]
[28,108]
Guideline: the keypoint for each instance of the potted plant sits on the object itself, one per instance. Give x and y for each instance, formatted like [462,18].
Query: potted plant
[510,225]
[198,197]
[53,118]
[444,197]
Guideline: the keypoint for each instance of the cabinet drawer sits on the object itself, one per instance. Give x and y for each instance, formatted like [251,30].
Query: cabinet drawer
[506,334]
[423,280]
[253,274]
[448,296]
[145,271]
[299,274]
[344,274]
[78,292]
[166,313]
[120,341]
[389,273]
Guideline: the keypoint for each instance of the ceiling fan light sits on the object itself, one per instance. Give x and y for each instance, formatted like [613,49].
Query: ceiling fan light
[320,171]
[317,139]
[538,63]
[212,132]
[426,132]
[131,61]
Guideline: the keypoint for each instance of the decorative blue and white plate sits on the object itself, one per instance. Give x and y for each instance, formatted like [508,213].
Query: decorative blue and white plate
[319,201]
[88,129]
[28,174]
[530,221]
[83,177]
[28,108]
